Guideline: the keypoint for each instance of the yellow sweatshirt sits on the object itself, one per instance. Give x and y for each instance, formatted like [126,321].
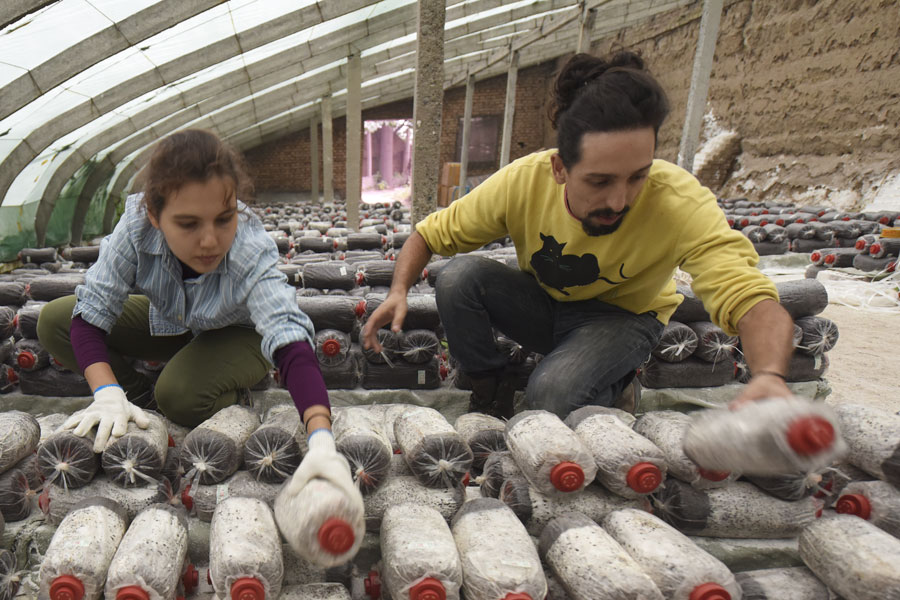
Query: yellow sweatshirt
[674,222]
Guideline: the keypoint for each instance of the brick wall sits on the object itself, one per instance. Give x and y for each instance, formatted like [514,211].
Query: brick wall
[284,165]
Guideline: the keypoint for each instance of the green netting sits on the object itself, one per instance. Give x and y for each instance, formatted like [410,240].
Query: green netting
[16,229]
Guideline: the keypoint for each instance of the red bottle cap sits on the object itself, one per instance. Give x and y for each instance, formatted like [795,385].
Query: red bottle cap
[860,245]
[815,257]
[331,347]
[810,435]
[744,222]
[465,479]
[335,244]
[209,577]
[763,222]
[186,499]
[360,309]
[713,475]
[26,359]
[12,375]
[709,591]
[66,587]
[171,441]
[874,248]
[567,476]
[644,477]
[360,279]
[780,221]
[829,260]
[517,596]
[336,536]
[44,500]
[372,584]
[854,504]
[191,579]
[248,588]
[132,592]
[428,589]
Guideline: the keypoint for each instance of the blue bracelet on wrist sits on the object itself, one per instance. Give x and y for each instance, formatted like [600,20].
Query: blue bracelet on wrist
[315,431]
[106,386]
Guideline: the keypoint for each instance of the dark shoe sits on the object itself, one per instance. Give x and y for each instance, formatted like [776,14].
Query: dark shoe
[493,395]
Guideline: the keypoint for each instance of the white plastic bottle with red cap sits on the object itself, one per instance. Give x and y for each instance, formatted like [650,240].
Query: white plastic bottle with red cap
[78,557]
[552,457]
[785,583]
[875,501]
[360,437]
[666,429]
[245,561]
[680,569]
[740,510]
[406,488]
[591,564]
[143,567]
[332,346]
[499,560]
[57,502]
[435,452]
[19,436]
[326,528]
[853,557]
[419,555]
[31,355]
[768,437]
[535,509]
[137,457]
[873,436]
[628,464]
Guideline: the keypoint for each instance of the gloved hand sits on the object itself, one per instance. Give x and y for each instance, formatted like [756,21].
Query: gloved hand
[323,461]
[110,411]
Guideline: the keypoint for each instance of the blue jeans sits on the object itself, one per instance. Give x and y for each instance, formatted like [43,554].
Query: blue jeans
[591,349]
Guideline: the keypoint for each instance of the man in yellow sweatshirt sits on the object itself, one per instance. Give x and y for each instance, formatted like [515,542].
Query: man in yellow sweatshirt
[599,228]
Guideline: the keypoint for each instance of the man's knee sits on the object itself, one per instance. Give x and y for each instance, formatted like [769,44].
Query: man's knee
[458,272]
[54,322]
[560,393]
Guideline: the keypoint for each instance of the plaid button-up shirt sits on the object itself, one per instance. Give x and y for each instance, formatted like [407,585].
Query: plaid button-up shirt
[245,289]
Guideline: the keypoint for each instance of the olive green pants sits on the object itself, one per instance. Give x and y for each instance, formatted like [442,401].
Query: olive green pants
[202,373]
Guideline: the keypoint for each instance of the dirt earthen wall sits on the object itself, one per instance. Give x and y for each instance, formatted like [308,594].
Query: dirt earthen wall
[809,87]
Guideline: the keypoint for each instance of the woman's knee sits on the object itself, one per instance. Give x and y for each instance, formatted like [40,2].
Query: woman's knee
[180,402]
[54,322]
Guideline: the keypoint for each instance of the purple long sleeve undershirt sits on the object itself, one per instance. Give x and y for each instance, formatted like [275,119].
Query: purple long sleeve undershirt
[296,362]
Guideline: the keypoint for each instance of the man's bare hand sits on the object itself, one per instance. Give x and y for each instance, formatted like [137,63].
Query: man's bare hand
[764,385]
[393,311]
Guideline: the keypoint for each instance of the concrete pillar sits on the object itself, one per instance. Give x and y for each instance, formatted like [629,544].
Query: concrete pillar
[407,155]
[587,26]
[467,130]
[509,110]
[386,155]
[427,107]
[327,152]
[703,60]
[314,159]
[367,154]
[353,182]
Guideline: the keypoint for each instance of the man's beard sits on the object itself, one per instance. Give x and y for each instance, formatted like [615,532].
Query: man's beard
[594,230]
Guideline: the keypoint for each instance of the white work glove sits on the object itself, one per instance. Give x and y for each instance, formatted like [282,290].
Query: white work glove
[110,411]
[322,461]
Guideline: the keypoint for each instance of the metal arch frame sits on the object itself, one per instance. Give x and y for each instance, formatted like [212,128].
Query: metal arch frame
[62,124]
[212,97]
[299,120]
[13,10]
[156,128]
[73,60]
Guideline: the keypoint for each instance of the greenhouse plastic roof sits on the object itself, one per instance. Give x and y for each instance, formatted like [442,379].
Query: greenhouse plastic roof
[96,82]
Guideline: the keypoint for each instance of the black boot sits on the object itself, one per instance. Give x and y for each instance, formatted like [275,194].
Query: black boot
[493,394]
